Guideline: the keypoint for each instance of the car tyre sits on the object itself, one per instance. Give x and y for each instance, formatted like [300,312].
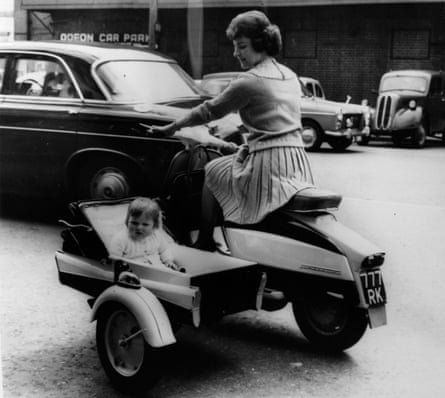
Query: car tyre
[340,143]
[329,323]
[418,137]
[312,135]
[131,365]
[363,140]
[397,139]
[106,179]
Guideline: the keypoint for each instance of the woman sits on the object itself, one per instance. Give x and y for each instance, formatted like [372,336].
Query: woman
[272,167]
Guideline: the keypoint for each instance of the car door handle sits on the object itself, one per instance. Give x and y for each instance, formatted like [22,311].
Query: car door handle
[73,112]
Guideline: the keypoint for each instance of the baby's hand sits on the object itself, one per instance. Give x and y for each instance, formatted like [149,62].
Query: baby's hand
[172,266]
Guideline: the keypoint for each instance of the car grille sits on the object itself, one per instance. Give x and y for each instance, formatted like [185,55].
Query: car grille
[355,121]
[383,117]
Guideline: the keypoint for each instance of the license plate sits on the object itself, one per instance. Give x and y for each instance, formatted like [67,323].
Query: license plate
[373,287]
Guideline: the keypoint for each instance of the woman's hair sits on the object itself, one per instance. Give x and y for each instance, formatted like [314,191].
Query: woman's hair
[256,26]
[147,207]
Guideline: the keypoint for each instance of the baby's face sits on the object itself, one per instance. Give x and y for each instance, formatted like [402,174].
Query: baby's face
[140,227]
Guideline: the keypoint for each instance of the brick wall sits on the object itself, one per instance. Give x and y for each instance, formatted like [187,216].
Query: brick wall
[347,48]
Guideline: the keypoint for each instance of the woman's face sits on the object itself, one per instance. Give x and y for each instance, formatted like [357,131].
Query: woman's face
[140,227]
[247,56]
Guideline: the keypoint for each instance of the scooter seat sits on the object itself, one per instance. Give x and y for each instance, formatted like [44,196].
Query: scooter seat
[313,199]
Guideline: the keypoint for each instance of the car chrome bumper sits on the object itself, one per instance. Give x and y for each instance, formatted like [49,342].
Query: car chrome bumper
[349,132]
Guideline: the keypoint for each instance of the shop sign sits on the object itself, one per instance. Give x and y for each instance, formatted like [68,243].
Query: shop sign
[105,37]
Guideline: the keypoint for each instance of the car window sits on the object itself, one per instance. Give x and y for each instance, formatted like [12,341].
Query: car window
[2,71]
[310,88]
[318,91]
[146,81]
[38,77]
[305,92]
[413,83]
[82,74]
[214,87]
[436,85]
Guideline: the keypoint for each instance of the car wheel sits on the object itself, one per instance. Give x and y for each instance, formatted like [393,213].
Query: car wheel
[330,323]
[340,143]
[397,139]
[129,362]
[312,135]
[418,137]
[103,179]
[363,140]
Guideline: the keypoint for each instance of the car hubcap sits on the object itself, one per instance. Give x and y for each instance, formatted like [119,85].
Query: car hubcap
[309,136]
[125,354]
[110,183]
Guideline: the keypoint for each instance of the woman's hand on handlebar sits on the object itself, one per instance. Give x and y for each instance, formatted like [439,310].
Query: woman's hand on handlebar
[228,148]
[168,130]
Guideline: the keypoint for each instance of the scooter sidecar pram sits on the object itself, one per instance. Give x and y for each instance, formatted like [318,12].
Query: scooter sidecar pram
[135,304]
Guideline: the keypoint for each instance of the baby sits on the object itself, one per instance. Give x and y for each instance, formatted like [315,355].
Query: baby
[143,239]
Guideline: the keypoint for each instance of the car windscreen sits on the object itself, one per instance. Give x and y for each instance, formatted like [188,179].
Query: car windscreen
[146,81]
[305,92]
[411,83]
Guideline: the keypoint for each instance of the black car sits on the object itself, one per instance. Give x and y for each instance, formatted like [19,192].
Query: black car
[74,119]
[410,104]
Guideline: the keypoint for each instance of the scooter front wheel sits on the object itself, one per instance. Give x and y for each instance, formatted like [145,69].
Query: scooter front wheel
[329,321]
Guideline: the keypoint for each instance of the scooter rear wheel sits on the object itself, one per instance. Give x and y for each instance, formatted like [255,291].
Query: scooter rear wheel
[329,322]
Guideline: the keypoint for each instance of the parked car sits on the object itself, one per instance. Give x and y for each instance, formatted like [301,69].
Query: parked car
[74,119]
[338,123]
[313,86]
[410,104]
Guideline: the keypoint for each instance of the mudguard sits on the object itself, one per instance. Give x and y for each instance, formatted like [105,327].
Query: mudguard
[405,119]
[145,307]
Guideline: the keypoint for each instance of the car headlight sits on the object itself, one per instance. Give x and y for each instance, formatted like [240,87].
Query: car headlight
[349,123]
[412,104]
[339,122]
[367,118]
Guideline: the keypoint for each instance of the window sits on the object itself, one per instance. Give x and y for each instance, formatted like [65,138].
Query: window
[41,77]
[318,91]
[436,85]
[146,81]
[2,71]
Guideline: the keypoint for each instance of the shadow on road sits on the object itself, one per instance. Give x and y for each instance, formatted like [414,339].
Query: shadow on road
[29,209]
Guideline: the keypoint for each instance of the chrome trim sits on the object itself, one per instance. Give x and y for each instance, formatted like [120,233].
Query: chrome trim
[87,133]
[38,130]
[384,112]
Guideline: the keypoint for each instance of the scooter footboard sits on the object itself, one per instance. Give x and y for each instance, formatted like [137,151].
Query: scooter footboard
[228,292]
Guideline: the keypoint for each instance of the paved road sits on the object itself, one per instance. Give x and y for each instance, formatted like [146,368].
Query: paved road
[392,196]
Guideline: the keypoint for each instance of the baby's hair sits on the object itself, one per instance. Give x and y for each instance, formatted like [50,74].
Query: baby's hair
[145,206]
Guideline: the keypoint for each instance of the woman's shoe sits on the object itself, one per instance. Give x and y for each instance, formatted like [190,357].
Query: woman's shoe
[208,246]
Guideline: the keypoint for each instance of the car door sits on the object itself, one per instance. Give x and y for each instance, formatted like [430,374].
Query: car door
[435,103]
[38,109]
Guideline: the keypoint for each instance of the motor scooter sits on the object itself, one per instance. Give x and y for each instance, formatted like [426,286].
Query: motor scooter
[300,254]
[330,274]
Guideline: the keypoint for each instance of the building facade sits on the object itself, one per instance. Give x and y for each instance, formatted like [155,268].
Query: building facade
[347,45]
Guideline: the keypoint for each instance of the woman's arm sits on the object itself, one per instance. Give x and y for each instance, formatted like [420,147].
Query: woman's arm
[233,98]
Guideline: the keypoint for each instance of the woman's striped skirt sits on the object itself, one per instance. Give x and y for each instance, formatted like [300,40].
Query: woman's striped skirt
[249,186]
